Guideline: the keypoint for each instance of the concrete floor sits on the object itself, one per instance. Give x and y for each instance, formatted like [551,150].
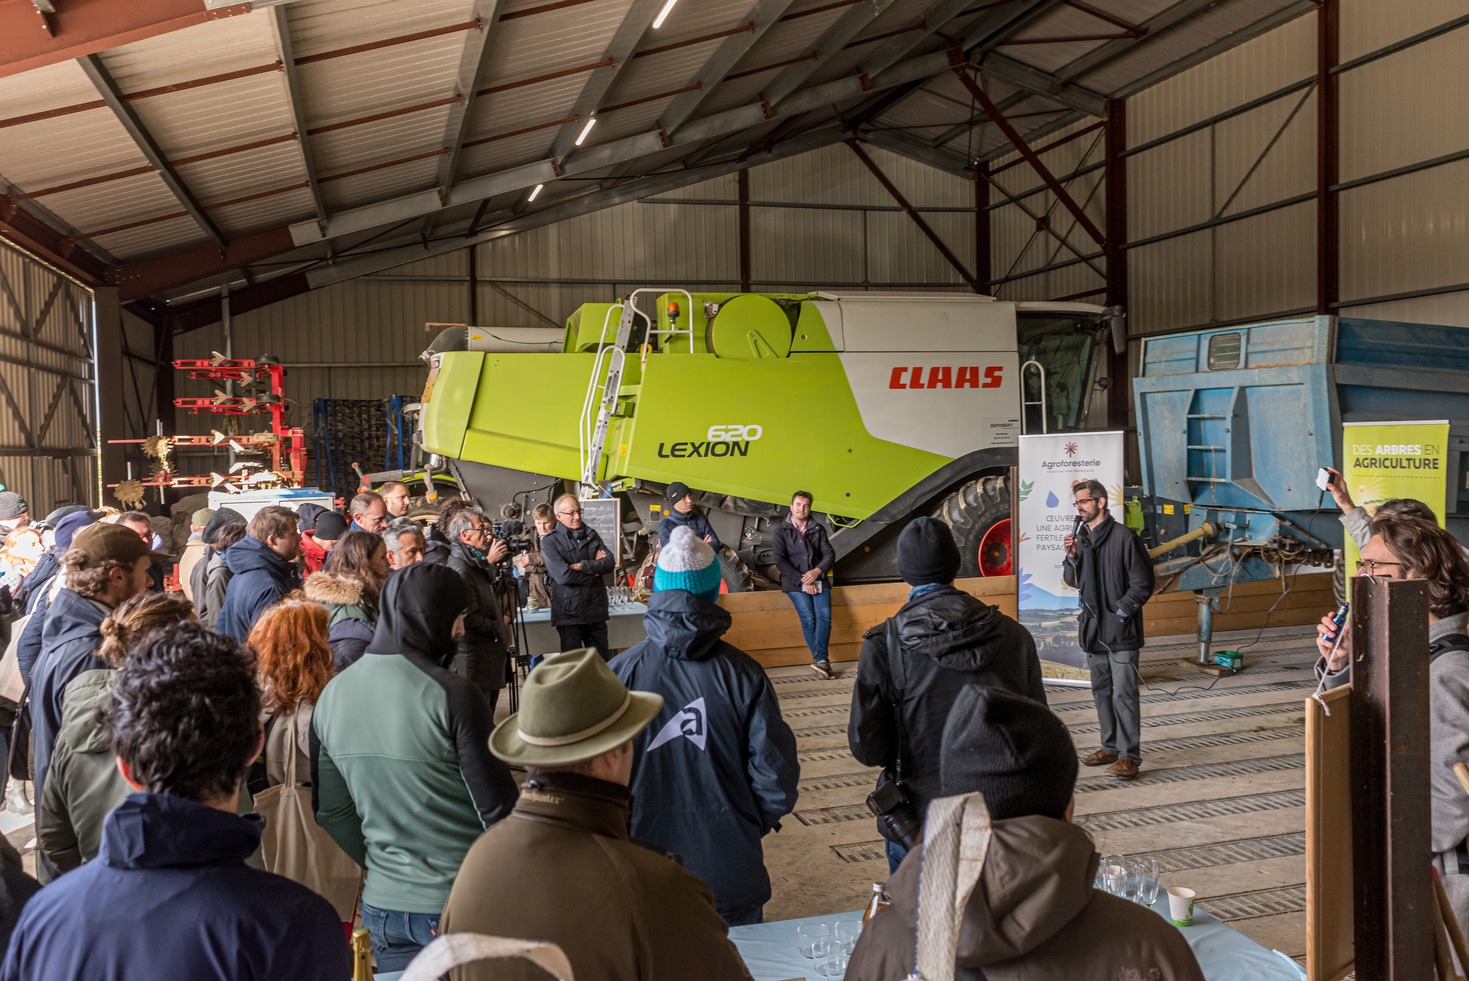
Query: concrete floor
[1219,801]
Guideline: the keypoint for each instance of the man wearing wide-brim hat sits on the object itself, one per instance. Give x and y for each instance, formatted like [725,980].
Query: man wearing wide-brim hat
[561,868]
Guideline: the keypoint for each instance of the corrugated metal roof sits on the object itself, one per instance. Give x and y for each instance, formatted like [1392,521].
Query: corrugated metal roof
[379,87]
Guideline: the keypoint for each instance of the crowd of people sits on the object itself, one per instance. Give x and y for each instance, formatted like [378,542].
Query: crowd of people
[229,776]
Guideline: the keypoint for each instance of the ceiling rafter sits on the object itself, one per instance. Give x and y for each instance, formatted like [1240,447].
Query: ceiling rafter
[286,47]
[472,62]
[828,46]
[97,73]
[765,14]
[629,34]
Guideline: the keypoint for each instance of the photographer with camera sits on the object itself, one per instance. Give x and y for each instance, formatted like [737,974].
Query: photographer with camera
[473,554]
[913,667]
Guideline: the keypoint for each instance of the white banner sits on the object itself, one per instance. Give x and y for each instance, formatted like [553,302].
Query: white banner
[1049,465]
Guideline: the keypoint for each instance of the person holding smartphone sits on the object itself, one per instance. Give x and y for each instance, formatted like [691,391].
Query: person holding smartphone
[804,556]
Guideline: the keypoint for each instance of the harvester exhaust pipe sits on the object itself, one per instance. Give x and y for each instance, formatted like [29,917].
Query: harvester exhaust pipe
[1205,530]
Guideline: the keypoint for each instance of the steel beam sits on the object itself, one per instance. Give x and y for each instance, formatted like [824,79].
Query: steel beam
[629,34]
[287,49]
[110,397]
[982,251]
[831,42]
[1328,125]
[472,63]
[743,206]
[1265,24]
[20,224]
[1035,161]
[1119,396]
[923,226]
[117,102]
[764,15]
[1068,94]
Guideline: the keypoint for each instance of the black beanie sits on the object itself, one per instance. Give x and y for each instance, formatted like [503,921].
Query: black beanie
[927,553]
[330,526]
[223,517]
[1013,750]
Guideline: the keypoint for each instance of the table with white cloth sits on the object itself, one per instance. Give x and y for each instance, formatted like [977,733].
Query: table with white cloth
[624,629]
[1225,954]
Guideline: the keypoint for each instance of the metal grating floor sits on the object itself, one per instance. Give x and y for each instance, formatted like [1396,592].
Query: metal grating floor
[1142,817]
[1211,715]
[1201,771]
[1261,902]
[1229,852]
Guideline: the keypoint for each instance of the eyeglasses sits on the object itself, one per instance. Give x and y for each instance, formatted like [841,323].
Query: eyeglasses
[1371,565]
[1084,500]
[577,511]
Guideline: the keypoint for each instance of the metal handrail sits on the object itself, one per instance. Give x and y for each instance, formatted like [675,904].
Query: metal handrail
[1027,403]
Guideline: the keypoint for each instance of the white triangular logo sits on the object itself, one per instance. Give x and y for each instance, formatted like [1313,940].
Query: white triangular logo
[689,723]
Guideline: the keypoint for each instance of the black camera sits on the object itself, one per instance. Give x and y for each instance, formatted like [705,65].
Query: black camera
[897,819]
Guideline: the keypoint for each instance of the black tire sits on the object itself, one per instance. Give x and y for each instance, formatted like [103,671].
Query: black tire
[733,571]
[971,511]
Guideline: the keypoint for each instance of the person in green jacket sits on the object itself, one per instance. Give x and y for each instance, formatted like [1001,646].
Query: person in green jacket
[401,771]
[83,783]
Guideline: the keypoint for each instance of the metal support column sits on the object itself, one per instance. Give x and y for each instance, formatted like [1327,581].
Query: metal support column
[743,186]
[108,377]
[1119,396]
[1394,910]
[1328,218]
[474,286]
[982,271]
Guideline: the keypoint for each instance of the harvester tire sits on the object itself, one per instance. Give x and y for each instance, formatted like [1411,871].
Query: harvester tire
[734,573]
[970,512]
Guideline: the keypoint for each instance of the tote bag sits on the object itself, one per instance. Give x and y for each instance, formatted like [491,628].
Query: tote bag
[295,846]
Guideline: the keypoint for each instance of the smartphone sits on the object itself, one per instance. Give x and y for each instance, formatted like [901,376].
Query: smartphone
[1323,479]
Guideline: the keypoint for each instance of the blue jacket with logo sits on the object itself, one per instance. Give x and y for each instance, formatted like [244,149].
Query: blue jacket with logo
[717,769]
[260,578]
[169,896]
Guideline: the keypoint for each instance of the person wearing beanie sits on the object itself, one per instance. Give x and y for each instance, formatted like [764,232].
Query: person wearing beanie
[685,514]
[1108,566]
[717,769]
[13,513]
[211,577]
[1034,913]
[194,550]
[327,528]
[915,664]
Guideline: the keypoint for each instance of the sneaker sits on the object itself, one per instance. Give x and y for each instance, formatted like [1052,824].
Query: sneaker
[823,670]
[15,799]
[1124,768]
[1098,757]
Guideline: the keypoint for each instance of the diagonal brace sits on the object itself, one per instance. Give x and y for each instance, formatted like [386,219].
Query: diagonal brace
[1031,157]
[923,226]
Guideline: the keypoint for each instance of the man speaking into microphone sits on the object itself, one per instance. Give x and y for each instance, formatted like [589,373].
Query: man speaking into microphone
[1111,570]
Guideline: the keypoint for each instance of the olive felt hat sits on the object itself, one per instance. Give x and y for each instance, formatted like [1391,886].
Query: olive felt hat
[572,709]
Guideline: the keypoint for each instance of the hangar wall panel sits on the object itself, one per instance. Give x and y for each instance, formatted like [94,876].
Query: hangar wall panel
[1405,234]
[1367,25]
[1265,263]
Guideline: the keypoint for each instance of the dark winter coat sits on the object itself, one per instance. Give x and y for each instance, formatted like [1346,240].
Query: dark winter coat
[1033,917]
[948,640]
[577,595]
[797,553]
[561,868]
[82,780]
[350,619]
[695,521]
[170,896]
[16,889]
[401,772]
[199,582]
[260,578]
[35,583]
[69,643]
[1113,574]
[717,769]
[216,587]
[483,648]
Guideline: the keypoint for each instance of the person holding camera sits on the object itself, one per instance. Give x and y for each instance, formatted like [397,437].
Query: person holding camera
[484,646]
[577,559]
[913,667]
[532,564]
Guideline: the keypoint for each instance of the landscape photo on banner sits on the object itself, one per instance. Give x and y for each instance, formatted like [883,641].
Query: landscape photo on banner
[1386,460]
[1049,608]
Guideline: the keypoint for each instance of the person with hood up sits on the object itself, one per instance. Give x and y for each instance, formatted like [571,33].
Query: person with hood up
[349,587]
[401,772]
[169,894]
[1034,913]
[263,567]
[106,565]
[210,578]
[914,665]
[717,770]
[82,780]
[685,514]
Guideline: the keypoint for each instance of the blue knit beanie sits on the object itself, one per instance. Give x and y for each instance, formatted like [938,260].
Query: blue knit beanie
[687,562]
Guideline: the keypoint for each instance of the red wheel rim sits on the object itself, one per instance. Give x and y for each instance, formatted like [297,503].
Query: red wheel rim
[995,552]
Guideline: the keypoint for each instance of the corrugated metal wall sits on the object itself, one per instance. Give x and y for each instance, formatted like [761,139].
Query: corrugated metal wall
[48,417]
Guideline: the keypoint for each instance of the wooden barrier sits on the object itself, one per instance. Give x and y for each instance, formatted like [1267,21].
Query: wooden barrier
[766,626]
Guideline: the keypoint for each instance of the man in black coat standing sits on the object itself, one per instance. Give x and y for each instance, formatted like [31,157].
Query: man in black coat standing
[576,560]
[1111,570]
[914,665]
[483,648]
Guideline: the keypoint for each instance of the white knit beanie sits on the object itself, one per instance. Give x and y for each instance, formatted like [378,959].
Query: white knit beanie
[687,562]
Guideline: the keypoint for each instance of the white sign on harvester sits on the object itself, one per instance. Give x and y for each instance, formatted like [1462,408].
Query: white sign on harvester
[1049,608]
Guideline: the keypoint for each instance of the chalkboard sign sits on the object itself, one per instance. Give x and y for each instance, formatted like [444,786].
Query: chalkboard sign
[606,517]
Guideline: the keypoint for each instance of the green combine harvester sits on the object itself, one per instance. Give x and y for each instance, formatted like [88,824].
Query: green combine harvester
[884,406]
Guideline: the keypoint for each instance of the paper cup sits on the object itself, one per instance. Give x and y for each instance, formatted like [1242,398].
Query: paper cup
[1181,906]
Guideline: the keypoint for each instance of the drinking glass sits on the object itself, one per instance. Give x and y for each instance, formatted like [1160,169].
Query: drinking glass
[1147,879]
[847,932]
[810,936]
[1114,874]
[834,965]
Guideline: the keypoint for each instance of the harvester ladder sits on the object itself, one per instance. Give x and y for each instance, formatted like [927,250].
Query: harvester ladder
[1040,402]
[614,355]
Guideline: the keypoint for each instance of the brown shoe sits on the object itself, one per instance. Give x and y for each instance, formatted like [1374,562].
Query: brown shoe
[1124,768]
[1098,757]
